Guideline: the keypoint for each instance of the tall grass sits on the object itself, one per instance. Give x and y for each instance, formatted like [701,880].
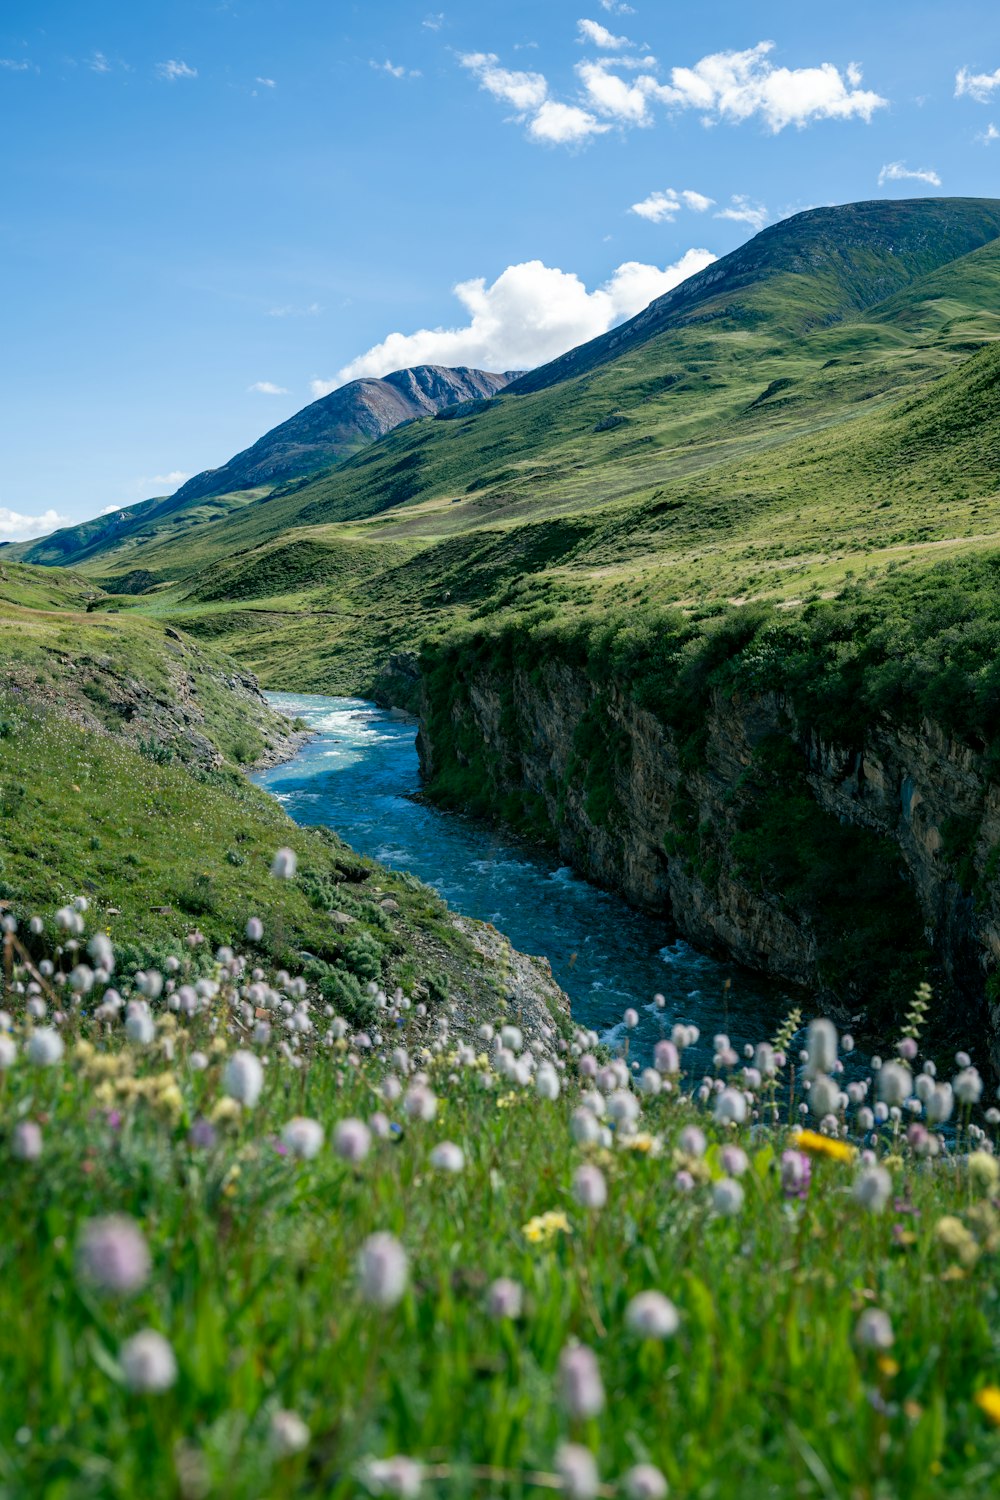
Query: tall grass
[293,1375]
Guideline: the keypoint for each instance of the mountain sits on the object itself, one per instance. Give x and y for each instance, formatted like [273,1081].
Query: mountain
[810,328]
[698,603]
[342,422]
[320,435]
[820,267]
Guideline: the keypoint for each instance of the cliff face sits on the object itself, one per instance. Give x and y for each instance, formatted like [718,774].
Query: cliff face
[854,873]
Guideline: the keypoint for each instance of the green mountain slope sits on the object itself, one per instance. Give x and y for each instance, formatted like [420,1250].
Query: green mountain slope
[752,439]
[321,435]
[821,266]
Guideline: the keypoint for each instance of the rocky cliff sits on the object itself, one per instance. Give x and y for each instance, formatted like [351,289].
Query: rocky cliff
[855,872]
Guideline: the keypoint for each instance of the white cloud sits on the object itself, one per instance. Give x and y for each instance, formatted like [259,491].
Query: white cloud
[730,86]
[529,315]
[742,210]
[525,91]
[290,311]
[735,86]
[696,201]
[268,388]
[664,206]
[898,171]
[547,119]
[978,86]
[98,63]
[17,528]
[266,83]
[434,22]
[14,65]
[158,484]
[564,124]
[600,36]
[658,207]
[110,510]
[614,96]
[990,134]
[172,70]
[395,70]
[617,7]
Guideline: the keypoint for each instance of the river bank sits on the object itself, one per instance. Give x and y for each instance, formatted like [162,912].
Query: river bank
[359,774]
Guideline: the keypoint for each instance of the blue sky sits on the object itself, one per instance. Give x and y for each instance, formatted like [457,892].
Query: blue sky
[212,210]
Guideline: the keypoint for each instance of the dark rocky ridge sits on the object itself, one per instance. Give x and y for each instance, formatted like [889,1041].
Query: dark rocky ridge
[340,423]
[319,436]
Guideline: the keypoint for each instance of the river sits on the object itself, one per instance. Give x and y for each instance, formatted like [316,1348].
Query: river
[359,775]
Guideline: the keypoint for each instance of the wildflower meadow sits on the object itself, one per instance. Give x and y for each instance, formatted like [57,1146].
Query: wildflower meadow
[250,1251]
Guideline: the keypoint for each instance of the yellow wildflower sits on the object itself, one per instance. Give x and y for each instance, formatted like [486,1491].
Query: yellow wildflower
[229,1185]
[823,1145]
[171,1102]
[218,1046]
[226,1111]
[952,1234]
[106,1064]
[985,1225]
[544,1227]
[988,1401]
[984,1170]
[642,1141]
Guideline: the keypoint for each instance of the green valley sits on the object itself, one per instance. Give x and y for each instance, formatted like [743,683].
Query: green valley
[763,510]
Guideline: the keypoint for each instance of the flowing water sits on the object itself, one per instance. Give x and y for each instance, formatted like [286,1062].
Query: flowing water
[359,775]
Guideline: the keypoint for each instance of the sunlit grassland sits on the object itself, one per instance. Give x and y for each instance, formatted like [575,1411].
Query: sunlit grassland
[156,844]
[795,515]
[766,1389]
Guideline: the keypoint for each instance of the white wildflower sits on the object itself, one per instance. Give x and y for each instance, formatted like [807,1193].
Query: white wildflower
[284,864]
[352,1140]
[45,1047]
[383,1269]
[148,1363]
[448,1157]
[113,1255]
[874,1330]
[289,1434]
[243,1078]
[727,1197]
[589,1186]
[303,1137]
[652,1316]
[873,1188]
[577,1469]
[645,1482]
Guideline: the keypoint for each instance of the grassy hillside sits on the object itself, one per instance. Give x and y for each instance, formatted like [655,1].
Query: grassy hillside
[903,485]
[821,267]
[121,743]
[778,434]
[130,676]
